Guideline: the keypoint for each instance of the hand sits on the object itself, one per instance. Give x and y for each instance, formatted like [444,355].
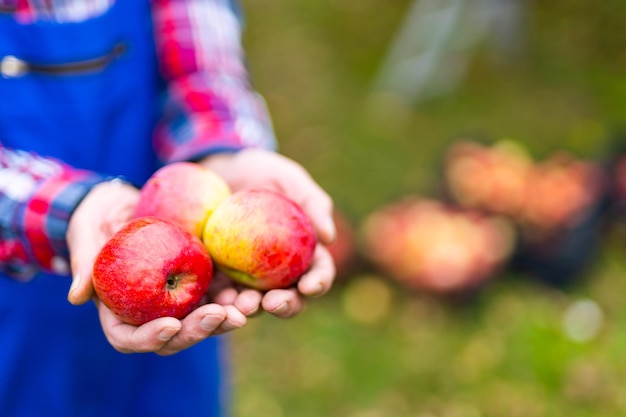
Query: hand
[260,168]
[167,335]
[105,209]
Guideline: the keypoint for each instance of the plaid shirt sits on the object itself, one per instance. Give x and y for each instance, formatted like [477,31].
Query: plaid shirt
[200,54]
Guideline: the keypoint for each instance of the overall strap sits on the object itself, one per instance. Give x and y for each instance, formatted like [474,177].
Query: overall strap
[84,92]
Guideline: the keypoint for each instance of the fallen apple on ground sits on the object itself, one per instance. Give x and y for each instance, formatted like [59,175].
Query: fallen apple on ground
[542,197]
[493,178]
[182,192]
[260,238]
[428,245]
[564,189]
[152,268]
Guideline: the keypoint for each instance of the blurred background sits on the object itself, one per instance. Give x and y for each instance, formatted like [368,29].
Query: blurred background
[473,151]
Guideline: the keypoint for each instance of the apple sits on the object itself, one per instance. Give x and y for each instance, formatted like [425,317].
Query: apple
[432,246]
[493,178]
[542,198]
[564,189]
[182,192]
[152,268]
[260,238]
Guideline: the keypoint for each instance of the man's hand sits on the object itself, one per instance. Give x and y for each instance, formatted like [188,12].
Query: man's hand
[106,208]
[109,206]
[103,211]
[266,169]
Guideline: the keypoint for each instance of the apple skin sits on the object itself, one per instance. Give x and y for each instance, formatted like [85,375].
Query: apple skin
[184,193]
[152,268]
[261,239]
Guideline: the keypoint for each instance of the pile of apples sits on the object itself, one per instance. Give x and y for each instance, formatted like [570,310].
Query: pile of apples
[543,198]
[500,208]
[188,224]
[429,245]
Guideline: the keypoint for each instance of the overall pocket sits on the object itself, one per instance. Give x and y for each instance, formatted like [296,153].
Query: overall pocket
[82,92]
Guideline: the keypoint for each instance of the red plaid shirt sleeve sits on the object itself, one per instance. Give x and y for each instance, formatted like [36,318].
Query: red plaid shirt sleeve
[210,105]
[37,197]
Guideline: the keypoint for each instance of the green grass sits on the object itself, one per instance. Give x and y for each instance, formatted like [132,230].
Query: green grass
[371,348]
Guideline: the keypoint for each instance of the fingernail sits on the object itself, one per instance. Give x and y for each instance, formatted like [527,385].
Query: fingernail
[75,283]
[317,289]
[208,322]
[331,230]
[281,308]
[167,333]
[228,326]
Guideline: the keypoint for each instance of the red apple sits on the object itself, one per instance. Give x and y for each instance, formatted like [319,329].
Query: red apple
[260,238]
[152,268]
[182,192]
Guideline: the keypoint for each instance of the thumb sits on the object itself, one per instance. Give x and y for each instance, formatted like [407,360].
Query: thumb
[105,209]
[325,226]
[82,289]
[84,242]
[84,248]
[319,207]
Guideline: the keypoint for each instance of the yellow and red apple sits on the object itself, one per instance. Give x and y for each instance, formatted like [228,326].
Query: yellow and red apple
[260,238]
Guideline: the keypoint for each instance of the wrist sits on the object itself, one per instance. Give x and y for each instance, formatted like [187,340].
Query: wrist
[218,162]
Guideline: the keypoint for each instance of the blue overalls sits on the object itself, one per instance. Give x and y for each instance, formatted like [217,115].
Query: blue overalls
[98,115]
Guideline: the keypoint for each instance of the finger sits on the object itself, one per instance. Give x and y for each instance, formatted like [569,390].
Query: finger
[197,326]
[283,303]
[126,338]
[248,302]
[226,296]
[81,289]
[319,207]
[317,204]
[320,277]
[103,211]
[222,289]
[298,184]
[84,249]
[234,320]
